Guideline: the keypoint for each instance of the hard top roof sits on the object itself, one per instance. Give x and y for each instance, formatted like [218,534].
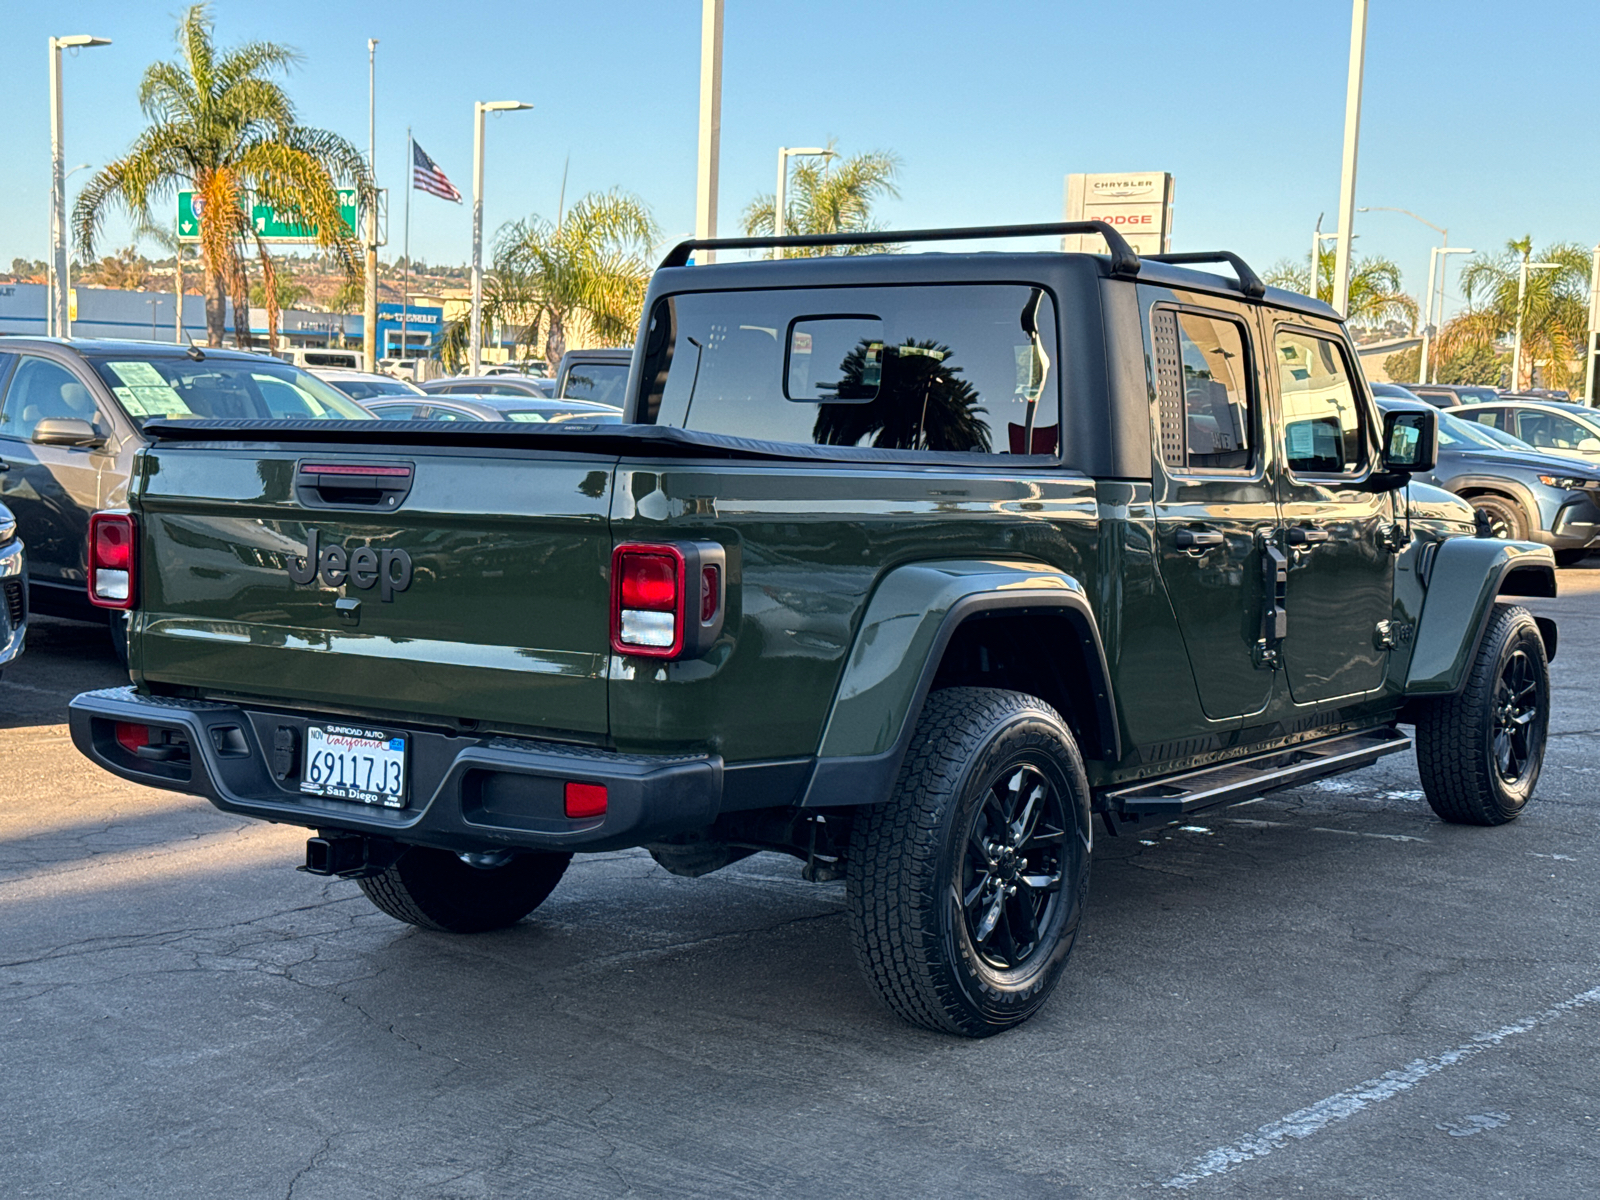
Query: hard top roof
[132,346]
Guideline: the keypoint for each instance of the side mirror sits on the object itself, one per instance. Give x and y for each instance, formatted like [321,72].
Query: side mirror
[1589,445]
[67,431]
[1410,441]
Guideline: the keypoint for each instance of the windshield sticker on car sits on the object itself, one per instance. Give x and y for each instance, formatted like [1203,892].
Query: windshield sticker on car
[151,402]
[1302,440]
[138,374]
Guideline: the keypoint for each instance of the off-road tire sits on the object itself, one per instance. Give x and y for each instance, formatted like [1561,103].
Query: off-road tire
[1456,735]
[909,927]
[1505,516]
[434,889]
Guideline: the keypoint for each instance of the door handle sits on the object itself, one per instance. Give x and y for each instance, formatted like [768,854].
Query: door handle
[1302,536]
[1198,539]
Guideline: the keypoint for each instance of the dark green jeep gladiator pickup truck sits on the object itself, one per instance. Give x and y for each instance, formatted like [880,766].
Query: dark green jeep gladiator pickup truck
[913,566]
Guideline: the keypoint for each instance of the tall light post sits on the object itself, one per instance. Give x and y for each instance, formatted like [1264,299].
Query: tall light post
[369,298]
[478,109]
[781,197]
[1522,292]
[57,314]
[1347,173]
[1317,239]
[1594,328]
[1434,254]
[1435,314]
[57,283]
[705,186]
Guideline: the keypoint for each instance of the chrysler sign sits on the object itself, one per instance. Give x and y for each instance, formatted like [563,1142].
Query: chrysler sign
[1138,204]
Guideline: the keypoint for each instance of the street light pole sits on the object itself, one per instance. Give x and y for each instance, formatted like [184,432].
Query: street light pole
[1347,173]
[369,304]
[1436,308]
[56,315]
[705,192]
[1522,292]
[1594,327]
[475,353]
[781,198]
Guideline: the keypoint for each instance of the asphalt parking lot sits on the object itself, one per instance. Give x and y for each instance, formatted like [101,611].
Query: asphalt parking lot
[1326,992]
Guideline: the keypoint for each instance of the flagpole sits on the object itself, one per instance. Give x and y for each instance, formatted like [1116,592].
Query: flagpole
[405,292]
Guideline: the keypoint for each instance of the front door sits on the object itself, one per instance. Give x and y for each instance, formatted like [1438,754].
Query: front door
[1335,530]
[51,489]
[1215,504]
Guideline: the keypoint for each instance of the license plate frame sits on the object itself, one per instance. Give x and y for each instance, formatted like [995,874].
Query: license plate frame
[338,763]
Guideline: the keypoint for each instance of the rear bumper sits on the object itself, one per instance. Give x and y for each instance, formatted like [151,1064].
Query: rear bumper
[466,793]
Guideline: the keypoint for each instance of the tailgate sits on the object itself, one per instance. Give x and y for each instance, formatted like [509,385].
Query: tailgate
[485,576]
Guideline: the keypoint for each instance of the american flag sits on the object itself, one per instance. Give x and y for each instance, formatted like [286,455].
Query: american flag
[426,176]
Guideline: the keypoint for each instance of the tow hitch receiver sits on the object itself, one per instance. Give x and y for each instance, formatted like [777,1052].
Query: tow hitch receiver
[348,855]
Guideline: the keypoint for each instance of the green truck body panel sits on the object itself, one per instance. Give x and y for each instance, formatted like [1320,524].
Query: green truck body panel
[1465,578]
[503,622]
[900,634]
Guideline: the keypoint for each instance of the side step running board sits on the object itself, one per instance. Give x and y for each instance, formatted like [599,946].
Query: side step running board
[1230,783]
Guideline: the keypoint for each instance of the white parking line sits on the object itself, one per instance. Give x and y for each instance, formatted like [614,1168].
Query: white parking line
[1388,837]
[1343,1105]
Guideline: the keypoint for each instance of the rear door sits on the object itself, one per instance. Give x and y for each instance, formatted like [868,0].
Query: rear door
[1340,570]
[1215,500]
[485,592]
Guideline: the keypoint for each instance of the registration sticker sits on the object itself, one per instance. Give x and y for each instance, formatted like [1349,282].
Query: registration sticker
[344,762]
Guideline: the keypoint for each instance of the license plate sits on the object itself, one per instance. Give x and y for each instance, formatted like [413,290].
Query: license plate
[346,763]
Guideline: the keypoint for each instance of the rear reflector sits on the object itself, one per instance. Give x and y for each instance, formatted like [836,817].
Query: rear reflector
[586,799]
[710,594]
[113,559]
[131,737]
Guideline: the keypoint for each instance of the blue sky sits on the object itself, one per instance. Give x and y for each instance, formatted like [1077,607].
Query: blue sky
[1468,120]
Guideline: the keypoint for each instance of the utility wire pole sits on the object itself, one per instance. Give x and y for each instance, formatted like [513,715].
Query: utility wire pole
[369,307]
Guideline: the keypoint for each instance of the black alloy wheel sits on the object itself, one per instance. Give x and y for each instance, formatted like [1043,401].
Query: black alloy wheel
[1011,876]
[967,887]
[1480,751]
[1504,517]
[1516,716]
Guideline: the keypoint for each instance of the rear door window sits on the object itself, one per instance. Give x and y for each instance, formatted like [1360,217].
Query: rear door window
[1203,373]
[961,368]
[1323,426]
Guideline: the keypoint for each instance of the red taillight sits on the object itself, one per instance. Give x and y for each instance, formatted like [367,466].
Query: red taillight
[113,558]
[131,737]
[647,600]
[649,581]
[586,799]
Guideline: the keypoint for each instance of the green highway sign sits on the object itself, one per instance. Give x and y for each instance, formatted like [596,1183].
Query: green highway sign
[269,224]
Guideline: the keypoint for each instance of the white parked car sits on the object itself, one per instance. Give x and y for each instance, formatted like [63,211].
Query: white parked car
[361,385]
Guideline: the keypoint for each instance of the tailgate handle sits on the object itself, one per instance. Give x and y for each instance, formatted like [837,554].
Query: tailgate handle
[382,486]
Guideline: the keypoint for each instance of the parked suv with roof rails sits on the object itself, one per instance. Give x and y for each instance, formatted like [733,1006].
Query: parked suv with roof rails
[910,566]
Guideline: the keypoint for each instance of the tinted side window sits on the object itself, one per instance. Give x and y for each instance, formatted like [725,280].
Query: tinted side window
[395,412]
[1322,423]
[954,368]
[1203,390]
[41,389]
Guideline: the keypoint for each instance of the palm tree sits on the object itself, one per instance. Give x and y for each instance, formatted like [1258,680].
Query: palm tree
[1555,309]
[824,198]
[1375,297]
[221,125]
[593,264]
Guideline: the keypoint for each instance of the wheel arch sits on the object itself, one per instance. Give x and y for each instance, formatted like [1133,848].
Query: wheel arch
[922,615]
[1465,578]
[1469,486]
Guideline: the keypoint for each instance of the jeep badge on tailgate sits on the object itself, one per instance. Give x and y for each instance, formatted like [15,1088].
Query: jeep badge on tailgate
[363,567]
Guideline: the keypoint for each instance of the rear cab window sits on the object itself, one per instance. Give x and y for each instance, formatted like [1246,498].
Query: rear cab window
[948,368]
[604,383]
[1206,402]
